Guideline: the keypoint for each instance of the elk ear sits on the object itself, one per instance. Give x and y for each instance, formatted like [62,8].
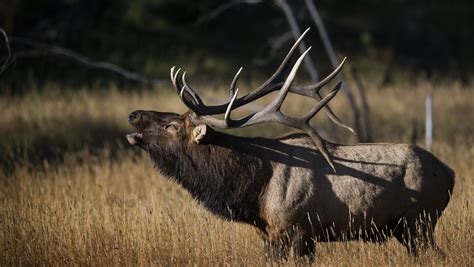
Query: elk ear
[199,132]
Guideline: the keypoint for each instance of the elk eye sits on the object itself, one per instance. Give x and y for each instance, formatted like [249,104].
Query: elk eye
[171,127]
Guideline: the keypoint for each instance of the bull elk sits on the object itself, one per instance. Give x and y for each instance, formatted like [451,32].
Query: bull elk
[297,189]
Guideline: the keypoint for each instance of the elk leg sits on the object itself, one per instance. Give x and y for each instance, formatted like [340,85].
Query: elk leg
[303,245]
[417,233]
[427,223]
[406,236]
[276,250]
[291,242]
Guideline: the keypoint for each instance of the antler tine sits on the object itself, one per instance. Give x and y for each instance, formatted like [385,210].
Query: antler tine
[180,89]
[313,92]
[323,102]
[276,104]
[336,120]
[312,132]
[174,77]
[190,90]
[233,84]
[314,88]
[271,81]
[319,143]
[186,101]
[229,108]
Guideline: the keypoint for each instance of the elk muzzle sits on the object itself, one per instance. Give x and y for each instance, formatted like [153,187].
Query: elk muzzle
[134,138]
[134,118]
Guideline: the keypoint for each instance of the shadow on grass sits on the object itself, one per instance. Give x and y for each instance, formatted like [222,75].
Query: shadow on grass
[34,148]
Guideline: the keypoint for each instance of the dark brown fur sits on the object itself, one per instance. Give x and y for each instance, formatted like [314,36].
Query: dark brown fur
[223,172]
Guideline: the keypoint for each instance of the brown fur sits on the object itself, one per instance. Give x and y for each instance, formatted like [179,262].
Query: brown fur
[286,189]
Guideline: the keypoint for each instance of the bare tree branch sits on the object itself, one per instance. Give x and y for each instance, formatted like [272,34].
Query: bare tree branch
[296,34]
[45,49]
[279,41]
[222,8]
[30,54]
[9,58]
[275,44]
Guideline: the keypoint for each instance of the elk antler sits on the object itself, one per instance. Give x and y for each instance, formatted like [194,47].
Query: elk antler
[272,112]
[274,83]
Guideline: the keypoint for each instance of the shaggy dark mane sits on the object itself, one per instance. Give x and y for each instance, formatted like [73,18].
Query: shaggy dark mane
[212,172]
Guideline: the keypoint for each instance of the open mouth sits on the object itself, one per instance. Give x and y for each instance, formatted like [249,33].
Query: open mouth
[134,138]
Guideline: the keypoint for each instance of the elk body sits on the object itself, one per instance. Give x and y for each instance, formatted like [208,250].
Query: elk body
[297,189]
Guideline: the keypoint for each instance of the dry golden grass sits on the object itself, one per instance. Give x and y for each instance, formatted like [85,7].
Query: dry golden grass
[72,192]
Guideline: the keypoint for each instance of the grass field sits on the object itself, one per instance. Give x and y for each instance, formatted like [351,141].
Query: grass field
[73,192]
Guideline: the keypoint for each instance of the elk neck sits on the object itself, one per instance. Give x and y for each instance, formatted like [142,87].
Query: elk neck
[224,173]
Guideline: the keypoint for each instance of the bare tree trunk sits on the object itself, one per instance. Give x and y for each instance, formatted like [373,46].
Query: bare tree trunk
[295,30]
[334,62]
[365,106]
[322,33]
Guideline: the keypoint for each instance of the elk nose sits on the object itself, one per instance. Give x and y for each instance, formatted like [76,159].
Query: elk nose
[133,117]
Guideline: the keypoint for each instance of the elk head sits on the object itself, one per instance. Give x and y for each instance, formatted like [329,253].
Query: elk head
[169,129]
[162,128]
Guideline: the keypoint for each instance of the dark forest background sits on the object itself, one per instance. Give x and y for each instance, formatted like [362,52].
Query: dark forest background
[429,38]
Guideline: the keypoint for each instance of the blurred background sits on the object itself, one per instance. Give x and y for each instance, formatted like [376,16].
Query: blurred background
[212,38]
[75,192]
